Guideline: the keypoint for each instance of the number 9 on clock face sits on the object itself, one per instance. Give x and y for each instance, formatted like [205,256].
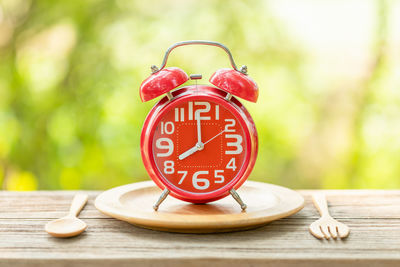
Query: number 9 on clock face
[199,147]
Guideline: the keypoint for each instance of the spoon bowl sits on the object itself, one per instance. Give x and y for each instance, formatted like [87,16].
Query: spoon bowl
[69,225]
[65,227]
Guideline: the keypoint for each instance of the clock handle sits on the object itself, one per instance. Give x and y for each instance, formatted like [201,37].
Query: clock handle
[195,42]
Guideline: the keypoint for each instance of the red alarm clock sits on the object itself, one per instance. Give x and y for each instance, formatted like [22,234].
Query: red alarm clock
[199,143]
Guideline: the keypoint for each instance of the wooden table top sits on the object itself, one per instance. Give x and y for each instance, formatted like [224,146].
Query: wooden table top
[372,215]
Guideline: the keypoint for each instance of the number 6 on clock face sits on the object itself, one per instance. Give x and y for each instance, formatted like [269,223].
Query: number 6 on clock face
[199,146]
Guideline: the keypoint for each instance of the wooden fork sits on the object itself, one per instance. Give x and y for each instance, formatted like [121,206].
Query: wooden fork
[326,226]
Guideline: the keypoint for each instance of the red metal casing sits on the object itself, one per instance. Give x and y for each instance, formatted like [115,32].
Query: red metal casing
[236,83]
[162,82]
[203,92]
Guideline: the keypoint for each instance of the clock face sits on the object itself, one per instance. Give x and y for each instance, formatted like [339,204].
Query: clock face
[199,146]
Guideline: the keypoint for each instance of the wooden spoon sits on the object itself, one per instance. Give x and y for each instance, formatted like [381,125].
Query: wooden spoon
[69,225]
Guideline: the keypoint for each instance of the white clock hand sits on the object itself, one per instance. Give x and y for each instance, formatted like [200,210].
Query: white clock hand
[198,129]
[209,140]
[188,153]
[197,147]
[192,150]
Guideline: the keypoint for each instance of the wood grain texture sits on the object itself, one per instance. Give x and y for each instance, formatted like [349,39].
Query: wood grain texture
[373,216]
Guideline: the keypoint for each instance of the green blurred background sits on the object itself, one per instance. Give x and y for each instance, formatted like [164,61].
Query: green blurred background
[328,114]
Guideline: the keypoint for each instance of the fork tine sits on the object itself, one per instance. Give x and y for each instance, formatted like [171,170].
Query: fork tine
[333,230]
[316,231]
[325,231]
[343,230]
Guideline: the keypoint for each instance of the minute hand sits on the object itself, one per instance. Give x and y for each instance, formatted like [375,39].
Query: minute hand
[198,130]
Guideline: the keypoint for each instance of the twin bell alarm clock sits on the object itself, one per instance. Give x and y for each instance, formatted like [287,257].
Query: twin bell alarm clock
[199,143]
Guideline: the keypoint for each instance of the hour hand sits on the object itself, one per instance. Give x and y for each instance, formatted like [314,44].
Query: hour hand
[188,153]
[197,147]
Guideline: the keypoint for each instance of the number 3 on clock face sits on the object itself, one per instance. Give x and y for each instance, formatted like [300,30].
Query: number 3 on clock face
[199,147]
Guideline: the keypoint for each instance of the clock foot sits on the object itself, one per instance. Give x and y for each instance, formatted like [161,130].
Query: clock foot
[236,196]
[163,196]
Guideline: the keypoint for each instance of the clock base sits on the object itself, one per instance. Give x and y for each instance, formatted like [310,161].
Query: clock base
[163,196]
[233,192]
[236,196]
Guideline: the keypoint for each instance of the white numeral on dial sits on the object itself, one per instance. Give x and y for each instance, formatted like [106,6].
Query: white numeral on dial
[237,144]
[190,111]
[206,108]
[165,143]
[180,113]
[200,183]
[219,176]
[230,123]
[183,176]
[231,164]
[176,114]
[167,127]
[169,167]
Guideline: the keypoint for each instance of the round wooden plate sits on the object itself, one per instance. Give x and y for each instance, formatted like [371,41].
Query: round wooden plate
[134,203]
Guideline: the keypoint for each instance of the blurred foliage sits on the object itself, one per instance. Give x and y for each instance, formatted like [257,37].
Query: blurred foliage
[71,117]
